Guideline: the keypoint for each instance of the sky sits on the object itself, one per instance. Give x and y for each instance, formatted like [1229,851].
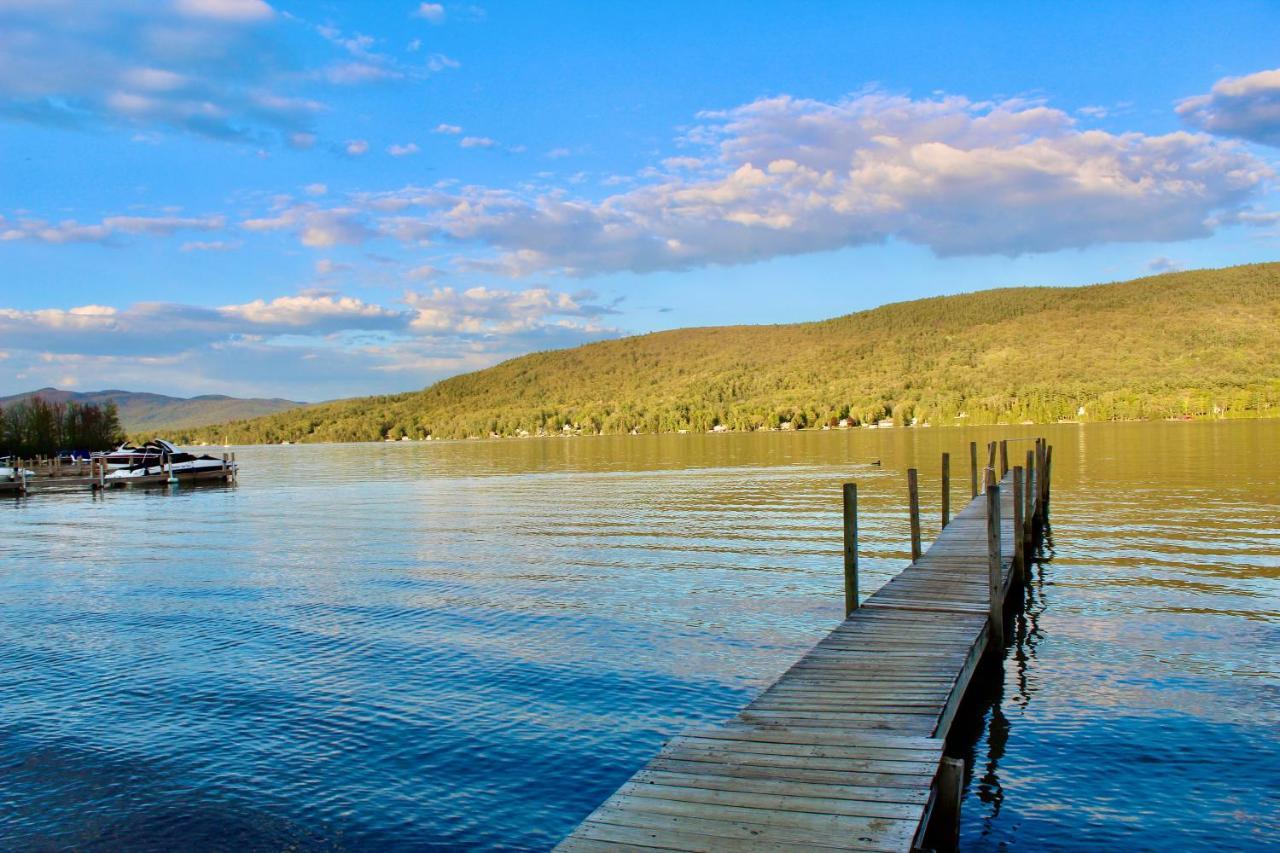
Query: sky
[327,199]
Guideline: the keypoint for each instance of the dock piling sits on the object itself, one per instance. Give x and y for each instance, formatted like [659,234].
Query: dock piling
[995,572]
[850,548]
[973,469]
[1004,457]
[944,824]
[913,496]
[1048,476]
[1019,544]
[946,489]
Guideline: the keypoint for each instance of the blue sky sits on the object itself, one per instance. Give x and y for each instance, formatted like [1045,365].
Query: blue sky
[328,199]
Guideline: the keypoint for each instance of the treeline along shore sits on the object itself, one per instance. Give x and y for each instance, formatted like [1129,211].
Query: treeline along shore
[38,427]
[1200,344]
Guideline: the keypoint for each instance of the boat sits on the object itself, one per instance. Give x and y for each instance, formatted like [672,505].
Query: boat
[128,455]
[9,472]
[172,465]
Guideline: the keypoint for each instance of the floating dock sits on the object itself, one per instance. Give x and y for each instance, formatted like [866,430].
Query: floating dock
[845,751]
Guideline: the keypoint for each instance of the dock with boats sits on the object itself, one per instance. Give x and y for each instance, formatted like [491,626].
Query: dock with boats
[154,464]
[847,749]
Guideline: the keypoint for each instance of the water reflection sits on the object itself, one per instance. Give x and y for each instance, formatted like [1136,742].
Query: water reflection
[469,644]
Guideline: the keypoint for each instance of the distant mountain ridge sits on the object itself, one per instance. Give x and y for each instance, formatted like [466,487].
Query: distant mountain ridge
[141,411]
[1197,344]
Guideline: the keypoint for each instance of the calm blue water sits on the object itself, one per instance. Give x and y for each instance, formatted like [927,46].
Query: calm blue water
[469,645]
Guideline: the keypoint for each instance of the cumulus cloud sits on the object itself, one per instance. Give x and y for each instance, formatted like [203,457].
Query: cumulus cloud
[477,142]
[356,147]
[1163,264]
[782,176]
[402,150]
[1245,107]
[426,337]
[209,67]
[433,12]
[482,309]
[451,129]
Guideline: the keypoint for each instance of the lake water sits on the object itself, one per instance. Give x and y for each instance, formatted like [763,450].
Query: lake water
[471,644]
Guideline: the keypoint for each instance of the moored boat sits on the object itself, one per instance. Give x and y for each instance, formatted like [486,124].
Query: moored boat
[176,465]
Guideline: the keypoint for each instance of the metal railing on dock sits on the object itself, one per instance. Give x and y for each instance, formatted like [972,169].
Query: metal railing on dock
[845,751]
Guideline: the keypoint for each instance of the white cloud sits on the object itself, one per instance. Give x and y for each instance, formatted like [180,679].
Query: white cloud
[1245,107]
[315,189]
[208,67]
[477,142]
[437,62]
[105,231]
[451,129]
[309,346]
[402,150]
[433,12]
[784,176]
[1163,264]
[236,11]
[356,147]
[356,73]
[425,272]
[211,246]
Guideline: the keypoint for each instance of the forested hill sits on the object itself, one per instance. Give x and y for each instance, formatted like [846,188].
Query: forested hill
[141,411]
[1197,344]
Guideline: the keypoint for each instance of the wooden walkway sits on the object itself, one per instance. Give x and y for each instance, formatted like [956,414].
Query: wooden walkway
[844,750]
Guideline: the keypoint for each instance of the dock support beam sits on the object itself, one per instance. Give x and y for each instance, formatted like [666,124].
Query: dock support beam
[946,489]
[994,568]
[973,469]
[1019,542]
[913,496]
[944,824]
[850,548]
[1048,476]
[1004,457]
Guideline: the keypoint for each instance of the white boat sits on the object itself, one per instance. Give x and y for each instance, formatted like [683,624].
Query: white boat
[9,472]
[127,455]
[171,461]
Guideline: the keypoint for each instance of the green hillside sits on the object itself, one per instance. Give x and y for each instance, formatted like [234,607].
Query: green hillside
[1191,344]
[143,412]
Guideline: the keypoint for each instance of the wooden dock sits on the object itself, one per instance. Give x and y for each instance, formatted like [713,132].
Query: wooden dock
[845,751]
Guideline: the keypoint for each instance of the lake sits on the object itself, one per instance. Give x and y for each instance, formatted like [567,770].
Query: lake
[471,644]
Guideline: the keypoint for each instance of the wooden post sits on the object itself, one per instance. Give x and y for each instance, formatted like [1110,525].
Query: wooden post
[850,548]
[913,497]
[973,468]
[943,832]
[946,489]
[1048,475]
[994,571]
[1019,547]
[1029,508]
[991,454]
[1041,467]
[1004,457]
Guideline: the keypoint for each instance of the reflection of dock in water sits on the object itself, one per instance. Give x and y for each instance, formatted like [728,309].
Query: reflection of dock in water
[845,750]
